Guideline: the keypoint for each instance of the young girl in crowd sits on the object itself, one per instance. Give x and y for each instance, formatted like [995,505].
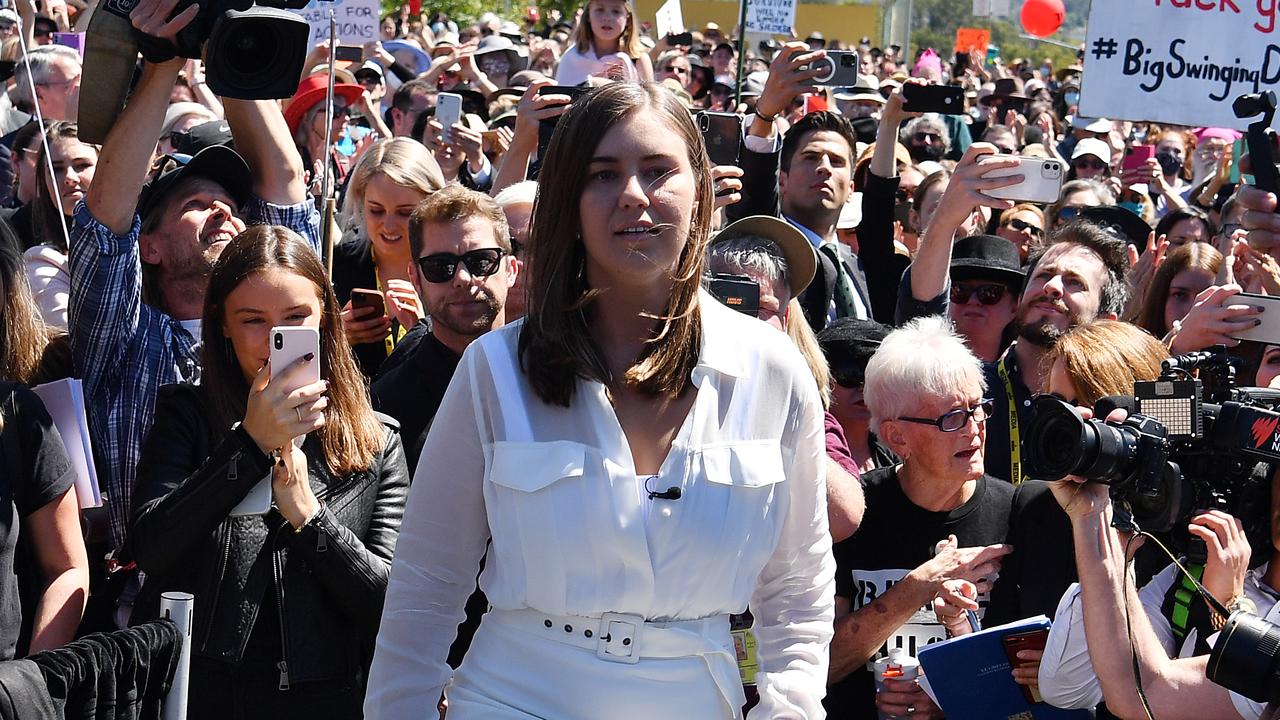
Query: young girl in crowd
[289,600]
[606,43]
[608,450]
[392,177]
[56,197]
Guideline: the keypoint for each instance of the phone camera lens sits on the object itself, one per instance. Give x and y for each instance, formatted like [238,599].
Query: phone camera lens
[279,341]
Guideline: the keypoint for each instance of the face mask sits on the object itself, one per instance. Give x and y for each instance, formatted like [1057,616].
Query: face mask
[1169,163]
[1134,207]
[1071,98]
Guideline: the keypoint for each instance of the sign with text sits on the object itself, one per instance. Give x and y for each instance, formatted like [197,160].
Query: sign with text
[669,19]
[357,20]
[1178,61]
[776,17]
[973,41]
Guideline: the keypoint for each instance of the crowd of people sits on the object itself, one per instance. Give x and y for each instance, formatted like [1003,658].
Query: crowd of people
[596,427]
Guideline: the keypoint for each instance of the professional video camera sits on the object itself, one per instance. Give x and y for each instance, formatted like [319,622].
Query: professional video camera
[251,51]
[1189,443]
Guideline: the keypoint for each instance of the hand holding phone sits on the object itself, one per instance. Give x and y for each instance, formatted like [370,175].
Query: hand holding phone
[1041,180]
[366,300]
[945,99]
[448,114]
[287,396]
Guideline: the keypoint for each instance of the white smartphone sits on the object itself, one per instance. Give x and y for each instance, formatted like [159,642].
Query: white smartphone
[290,342]
[257,502]
[1041,180]
[448,112]
[1269,331]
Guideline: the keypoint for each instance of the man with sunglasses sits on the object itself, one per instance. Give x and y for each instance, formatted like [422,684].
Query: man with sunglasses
[141,256]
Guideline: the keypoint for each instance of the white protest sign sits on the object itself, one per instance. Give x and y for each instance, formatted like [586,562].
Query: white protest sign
[670,20]
[981,8]
[1000,8]
[1178,61]
[775,17]
[357,20]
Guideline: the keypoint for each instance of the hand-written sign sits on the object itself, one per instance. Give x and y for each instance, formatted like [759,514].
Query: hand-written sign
[1178,61]
[357,20]
[776,17]
[973,41]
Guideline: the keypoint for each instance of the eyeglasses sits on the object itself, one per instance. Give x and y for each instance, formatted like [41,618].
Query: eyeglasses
[988,293]
[1003,150]
[905,194]
[1087,162]
[1229,229]
[923,136]
[958,418]
[1024,226]
[849,376]
[441,267]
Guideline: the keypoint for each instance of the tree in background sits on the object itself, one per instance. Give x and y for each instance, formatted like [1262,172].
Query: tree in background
[934,24]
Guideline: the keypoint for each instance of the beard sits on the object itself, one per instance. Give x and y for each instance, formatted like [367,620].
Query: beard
[1042,333]
[193,266]
[921,153]
[445,313]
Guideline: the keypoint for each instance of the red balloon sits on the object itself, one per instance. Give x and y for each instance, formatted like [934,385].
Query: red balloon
[1042,17]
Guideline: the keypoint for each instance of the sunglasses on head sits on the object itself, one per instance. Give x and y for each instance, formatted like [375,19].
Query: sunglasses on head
[988,293]
[1024,226]
[441,267]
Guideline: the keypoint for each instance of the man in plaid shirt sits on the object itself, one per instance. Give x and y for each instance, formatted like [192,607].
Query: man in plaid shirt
[140,258]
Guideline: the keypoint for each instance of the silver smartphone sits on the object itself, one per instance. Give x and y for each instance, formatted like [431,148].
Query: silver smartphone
[1041,180]
[1269,331]
[448,112]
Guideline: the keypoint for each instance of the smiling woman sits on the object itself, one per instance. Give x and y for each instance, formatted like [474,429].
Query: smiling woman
[389,181]
[607,450]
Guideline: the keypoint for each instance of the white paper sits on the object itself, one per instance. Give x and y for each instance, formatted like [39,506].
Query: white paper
[776,17]
[1182,65]
[670,19]
[357,20]
[64,399]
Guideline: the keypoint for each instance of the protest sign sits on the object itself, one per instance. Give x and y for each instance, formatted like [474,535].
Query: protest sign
[775,17]
[1000,8]
[1178,61]
[973,41]
[670,20]
[357,20]
[981,8]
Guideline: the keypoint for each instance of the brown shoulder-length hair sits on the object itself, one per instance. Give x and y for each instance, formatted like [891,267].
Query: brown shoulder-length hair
[555,342]
[1192,256]
[23,334]
[351,436]
[628,43]
[1105,357]
[46,225]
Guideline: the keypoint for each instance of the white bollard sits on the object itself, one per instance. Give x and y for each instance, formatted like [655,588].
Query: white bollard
[178,607]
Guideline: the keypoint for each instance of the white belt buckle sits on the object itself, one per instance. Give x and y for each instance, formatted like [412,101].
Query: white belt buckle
[616,641]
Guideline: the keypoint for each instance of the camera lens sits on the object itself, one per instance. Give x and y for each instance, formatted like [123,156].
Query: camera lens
[279,341]
[1061,443]
[848,60]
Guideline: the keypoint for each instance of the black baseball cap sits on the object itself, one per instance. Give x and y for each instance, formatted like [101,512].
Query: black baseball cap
[1119,221]
[218,163]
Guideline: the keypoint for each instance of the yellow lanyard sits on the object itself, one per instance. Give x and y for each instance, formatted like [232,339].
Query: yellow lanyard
[1015,438]
[397,332]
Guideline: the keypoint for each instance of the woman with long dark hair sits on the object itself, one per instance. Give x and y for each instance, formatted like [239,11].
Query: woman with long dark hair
[610,452]
[289,600]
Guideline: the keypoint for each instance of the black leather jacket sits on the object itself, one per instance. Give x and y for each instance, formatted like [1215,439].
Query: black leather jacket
[329,579]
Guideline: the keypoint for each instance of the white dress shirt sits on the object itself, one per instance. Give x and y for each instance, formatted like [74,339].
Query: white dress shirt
[555,488]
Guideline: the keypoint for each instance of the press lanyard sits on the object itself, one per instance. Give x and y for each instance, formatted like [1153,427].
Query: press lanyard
[397,331]
[1015,438]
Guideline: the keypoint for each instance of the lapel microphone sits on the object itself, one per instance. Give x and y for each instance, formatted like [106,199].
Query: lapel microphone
[671,493]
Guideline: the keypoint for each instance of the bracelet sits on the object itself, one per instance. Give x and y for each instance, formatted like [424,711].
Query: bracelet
[298,530]
[1235,604]
[766,118]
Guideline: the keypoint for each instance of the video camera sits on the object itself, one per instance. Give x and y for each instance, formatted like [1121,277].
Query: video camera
[1189,443]
[251,52]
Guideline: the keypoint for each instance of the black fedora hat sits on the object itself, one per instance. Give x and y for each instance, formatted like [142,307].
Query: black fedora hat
[987,257]
[1119,221]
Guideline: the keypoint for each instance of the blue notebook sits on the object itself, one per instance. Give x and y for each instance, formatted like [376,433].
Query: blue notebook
[970,677]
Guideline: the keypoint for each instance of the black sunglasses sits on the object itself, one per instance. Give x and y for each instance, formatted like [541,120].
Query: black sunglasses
[849,376]
[988,293]
[1024,226]
[441,267]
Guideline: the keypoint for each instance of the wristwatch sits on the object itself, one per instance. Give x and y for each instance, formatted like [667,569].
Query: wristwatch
[1237,603]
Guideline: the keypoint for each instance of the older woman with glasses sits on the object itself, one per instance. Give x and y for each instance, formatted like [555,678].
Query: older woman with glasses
[1023,225]
[934,522]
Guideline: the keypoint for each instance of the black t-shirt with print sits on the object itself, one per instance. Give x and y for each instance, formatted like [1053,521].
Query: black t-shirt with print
[34,471]
[897,536]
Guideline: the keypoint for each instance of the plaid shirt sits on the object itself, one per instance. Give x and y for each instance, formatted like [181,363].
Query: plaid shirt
[125,350]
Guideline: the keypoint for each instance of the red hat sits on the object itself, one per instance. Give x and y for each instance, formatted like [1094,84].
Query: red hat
[311,91]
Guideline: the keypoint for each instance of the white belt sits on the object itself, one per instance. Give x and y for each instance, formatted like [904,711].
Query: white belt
[621,638]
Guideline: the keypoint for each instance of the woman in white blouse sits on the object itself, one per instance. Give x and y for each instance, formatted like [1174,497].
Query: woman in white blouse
[643,460]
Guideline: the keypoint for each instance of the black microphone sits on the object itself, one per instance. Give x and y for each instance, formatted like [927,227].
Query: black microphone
[671,493]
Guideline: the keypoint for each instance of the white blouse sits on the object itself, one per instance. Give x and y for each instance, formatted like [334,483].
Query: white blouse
[555,488]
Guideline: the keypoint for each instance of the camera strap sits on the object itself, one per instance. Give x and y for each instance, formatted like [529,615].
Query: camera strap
[1183,595]
[1015,438]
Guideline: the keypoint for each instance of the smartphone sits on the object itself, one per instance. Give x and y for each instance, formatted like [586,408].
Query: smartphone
[684,39]
[257,502]
[7,68]
[1269,331]
[945,99]
[1041,180]
[290,342]
[993,52]
[547,128]
[361,298]
[1017,642]
[838,69]
[1137,156]
[348,53]
[74,40]
[1238,149]
[902,214]
[448,112]
[738,292]
[960,65]
[722,133]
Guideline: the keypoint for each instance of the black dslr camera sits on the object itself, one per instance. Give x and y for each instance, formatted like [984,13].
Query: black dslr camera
[1189,443]
[252,51]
